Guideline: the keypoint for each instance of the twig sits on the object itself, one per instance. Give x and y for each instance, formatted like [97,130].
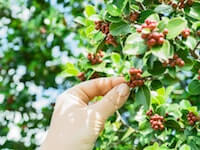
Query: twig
[142,6]
[197,45]
[192,52]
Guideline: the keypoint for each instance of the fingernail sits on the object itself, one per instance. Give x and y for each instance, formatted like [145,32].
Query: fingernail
[123,89]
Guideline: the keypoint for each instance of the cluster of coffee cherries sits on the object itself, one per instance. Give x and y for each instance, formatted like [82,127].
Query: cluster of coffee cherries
[174,61]
[149,113]
[104,28]
[133,16]
[136,78]
[185,33]
[153,38]
[81,76]
[192,118]
[95,58]
[157,122]
[180,4]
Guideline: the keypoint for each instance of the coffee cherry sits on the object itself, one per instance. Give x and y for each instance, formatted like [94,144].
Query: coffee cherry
[132,71]
[81,76]
[149,113]
[139,30]
[161,41]
[110,40]
[144,36]
[185,33]
[156,35]
[152,26]
[151,42]
[199,77]
[174,5]
[175,56]
[133,16]
[165,32]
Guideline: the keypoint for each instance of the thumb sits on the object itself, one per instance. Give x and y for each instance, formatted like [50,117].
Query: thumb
[112,101]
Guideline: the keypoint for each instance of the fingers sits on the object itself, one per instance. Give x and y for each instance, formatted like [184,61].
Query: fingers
[112,101]
[96,87]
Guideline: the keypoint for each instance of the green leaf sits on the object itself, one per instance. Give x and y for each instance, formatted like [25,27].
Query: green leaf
[69,70]
[112,19]
[163,52]
[185,104]
[80,20]
[172,123]
[128,133]
[164,9]
[157,68]
[194,87]
[155,146]
[139,1]
[194,11]
[116,58]
[135,45]
[143,97]
[154,17]
[89,10]
[196,25]
[185,147]
[175,27]
[120,28]
[156,84]
[191,42]
[173,110]
[113,10]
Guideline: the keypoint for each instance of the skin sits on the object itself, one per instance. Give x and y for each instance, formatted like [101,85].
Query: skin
[76,123]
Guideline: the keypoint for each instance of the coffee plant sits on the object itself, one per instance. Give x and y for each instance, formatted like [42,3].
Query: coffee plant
[155,45]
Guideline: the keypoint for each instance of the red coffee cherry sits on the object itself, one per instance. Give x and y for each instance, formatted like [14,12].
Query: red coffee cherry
[81,76]
[174,5]
[133,16]
[111,40]
[165,31]
[199,74]
[149,113]
[185,33]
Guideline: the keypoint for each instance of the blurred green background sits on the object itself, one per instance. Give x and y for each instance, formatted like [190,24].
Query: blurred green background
[37,37]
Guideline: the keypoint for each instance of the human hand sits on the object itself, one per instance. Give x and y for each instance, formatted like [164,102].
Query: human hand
[75,125]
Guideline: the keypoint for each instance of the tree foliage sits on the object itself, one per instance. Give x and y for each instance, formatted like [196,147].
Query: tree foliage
[158,40]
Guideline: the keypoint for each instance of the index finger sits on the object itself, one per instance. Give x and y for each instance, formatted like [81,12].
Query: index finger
[96,87]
